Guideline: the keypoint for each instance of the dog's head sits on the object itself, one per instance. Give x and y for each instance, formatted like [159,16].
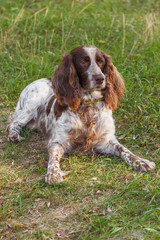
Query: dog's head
[89,68]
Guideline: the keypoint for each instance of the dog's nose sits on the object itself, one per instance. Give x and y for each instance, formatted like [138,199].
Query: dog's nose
[99,78]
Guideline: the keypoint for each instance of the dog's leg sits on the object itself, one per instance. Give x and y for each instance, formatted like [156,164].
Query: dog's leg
[54,174]
[116,149]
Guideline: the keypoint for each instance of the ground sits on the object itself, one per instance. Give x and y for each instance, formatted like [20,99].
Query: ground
[101,197]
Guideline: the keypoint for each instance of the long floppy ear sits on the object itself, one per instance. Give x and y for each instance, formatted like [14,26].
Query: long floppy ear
[66,84]
[114,83]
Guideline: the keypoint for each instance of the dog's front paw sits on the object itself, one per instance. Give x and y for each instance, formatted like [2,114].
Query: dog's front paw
[54,177]
[144,165]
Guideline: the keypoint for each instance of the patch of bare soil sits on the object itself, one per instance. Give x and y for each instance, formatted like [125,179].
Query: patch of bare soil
[59,222]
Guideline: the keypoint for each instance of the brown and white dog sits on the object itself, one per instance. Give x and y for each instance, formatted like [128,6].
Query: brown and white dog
[73,109]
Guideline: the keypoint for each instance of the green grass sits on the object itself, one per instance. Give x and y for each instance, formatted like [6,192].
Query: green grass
[102,198]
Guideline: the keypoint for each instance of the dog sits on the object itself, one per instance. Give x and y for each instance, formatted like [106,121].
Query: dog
[73,109]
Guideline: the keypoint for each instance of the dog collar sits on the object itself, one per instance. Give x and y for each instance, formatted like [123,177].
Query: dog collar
[92,101]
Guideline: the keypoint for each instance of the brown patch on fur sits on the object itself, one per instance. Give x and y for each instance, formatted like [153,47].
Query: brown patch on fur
[31,123]
[114,84]
[50,105]
[58,109]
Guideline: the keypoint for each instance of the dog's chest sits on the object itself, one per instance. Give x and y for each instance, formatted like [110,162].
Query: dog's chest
[88,128]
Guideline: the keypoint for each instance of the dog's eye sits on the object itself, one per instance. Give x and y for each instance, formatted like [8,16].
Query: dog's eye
[85,60]
[99,61]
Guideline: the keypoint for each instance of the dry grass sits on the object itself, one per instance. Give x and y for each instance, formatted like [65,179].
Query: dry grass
[152,26]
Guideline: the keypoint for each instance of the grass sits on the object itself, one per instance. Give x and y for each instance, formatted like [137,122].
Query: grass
[102,198]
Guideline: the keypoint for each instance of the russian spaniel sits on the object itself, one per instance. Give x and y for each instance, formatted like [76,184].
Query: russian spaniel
[73,109]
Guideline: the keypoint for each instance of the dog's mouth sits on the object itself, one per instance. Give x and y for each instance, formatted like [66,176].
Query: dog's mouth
[95,87]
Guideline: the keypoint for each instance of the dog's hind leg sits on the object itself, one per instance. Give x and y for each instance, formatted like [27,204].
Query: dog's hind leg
[18,120]
[30,106]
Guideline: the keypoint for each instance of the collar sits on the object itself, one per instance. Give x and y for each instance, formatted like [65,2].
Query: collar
[92,101]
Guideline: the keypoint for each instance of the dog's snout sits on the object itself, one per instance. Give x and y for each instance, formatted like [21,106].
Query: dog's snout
[99,78]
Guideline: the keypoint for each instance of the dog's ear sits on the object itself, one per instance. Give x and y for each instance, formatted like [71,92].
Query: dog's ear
[66,85]
[114,83]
